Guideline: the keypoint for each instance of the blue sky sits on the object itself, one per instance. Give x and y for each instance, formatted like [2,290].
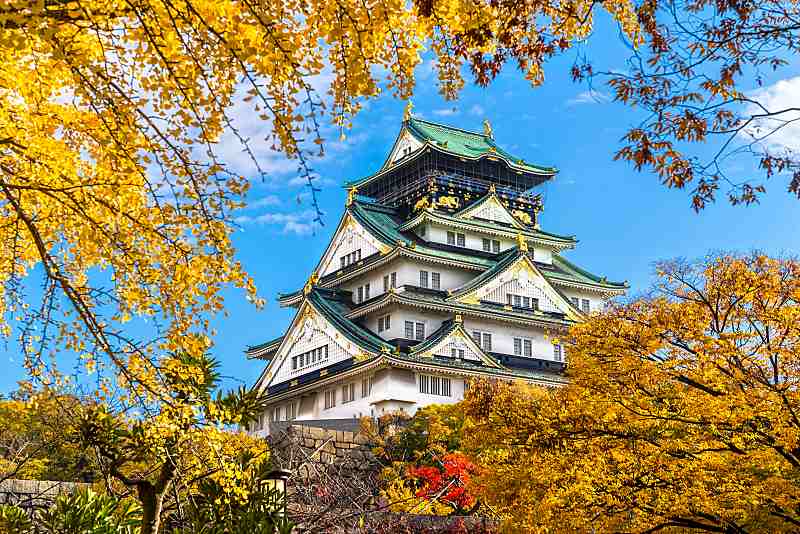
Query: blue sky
[624,220]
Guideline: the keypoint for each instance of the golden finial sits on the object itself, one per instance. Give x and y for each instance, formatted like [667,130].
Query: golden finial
[312,281]
[487,129]
[407,111]
[522,244]
[458,319]
[492,189]
[351,196]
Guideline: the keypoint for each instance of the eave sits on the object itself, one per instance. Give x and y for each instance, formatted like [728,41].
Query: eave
[403,298]
[557,243]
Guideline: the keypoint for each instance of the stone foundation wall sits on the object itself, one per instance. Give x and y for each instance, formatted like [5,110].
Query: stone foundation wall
[34,494]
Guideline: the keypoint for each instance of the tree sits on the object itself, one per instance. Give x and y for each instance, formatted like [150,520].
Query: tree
[681,412]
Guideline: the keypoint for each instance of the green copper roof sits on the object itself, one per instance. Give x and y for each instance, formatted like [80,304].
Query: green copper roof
[478,223]
[506,258]
[271,344]
[570,272]
[334,311]
[467,144]
[382,222]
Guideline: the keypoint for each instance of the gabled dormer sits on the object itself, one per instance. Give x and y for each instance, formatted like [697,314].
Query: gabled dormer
[319,337]
[516,283]
[491,208]
[452,342]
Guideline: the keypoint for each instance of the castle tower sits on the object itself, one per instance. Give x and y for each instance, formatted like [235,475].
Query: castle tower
[437,273]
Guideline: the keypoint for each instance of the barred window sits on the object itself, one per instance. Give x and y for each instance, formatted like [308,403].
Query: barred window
[366,387]
[310,357]
[386,283]
[575,302]
[434,385]
[585,305]
[557,352]
[495,246]
[435,278]
[523,347]
[348,393]
[409,330]
[457,353]
[330,399]
[366,291]
[451,238]
[394,279]
[420,331]
[360,294]
[487,245]
[517,346]
[461,240]
[423,278]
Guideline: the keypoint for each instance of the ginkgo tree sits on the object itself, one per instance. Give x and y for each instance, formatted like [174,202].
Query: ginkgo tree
[681,412]
[116,204]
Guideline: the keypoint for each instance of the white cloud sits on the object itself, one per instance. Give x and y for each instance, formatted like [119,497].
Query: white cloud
[589,97]
[781,132]
[299,223]
[477,110]
[269,200]
[446,112]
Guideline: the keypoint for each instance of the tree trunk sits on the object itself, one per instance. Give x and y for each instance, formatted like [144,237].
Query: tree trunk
[152,501]
[152,498]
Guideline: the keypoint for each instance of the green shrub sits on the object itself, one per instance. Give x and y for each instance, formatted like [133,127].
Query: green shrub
[87,512]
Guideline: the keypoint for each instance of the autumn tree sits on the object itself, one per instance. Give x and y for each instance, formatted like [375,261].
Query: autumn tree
[680,413]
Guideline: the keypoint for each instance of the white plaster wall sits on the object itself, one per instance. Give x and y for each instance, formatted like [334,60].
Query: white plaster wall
[503,335]
[596,303]
[392,389]
[474,241]
[399,316]
[408,274]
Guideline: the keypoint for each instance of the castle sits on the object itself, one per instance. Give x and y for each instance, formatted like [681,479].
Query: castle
[438,273]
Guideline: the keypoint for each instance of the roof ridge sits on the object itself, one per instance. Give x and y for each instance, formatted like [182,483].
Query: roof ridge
[454,128]
[587,274]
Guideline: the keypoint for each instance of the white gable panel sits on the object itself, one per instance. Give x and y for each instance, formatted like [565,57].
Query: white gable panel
[312,333]
[352,237]
[457,343]
[407,144]
[521,282]
[492,212]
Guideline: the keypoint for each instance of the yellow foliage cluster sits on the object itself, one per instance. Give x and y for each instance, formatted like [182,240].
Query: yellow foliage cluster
[681,412]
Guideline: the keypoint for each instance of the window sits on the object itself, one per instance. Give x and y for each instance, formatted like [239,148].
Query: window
[422,231]
[420,331]
[457,353]
[409,330]
[292,411]
[423,279]
[523,347]
[495,246]
[366,387]
[383,323]
[585,305]
[386,283]
[435,280]
[519,301]
[366,291]
[575,302]
[394,279]
[483,339]
[467,383]
[487,245]
[330,399]
[349,259]
[276,413]
[456,239]
[434,385]
[557,353]
[348,393]
[360,294]
[320,354]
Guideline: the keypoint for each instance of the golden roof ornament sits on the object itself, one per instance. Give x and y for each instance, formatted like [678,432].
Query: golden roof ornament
[407,111]
[487,129]
[312,281]
[458,319]
[492,188]
[522,244]
[351,196]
